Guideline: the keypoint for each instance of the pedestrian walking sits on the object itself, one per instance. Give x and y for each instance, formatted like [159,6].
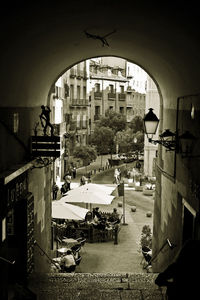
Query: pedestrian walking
[67,178]
[116,176]
[74,172]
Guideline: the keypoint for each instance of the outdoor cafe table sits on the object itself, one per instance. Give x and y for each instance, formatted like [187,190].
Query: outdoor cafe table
[69,242]
[63,250]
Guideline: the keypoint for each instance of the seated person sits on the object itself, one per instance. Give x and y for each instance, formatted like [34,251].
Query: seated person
[96,213]
[88,217]
[101,224]
[68,262]
[180,277]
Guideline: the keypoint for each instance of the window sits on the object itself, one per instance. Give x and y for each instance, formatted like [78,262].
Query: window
[84,92]
[121,110]
[97,110]
[84,121]
[78,92]
[71,91]
[66,90]
[121,89]
[78,121]
[97,87]
[111,108]
[111,88]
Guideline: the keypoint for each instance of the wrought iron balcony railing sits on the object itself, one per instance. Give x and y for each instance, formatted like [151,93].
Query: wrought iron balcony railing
[111,96]
[79,102]
[122,97]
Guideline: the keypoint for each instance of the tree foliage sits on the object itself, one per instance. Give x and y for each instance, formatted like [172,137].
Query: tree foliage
[113,120]
[137,124]
[86,153]
[103,139]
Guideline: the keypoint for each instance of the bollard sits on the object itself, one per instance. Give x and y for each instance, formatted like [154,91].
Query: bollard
[133,208]
[149,214]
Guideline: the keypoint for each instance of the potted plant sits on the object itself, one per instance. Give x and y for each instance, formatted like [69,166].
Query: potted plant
[146,237]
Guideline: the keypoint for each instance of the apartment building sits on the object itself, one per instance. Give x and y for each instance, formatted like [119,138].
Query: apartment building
[69,104]
[113,86]
[85,92]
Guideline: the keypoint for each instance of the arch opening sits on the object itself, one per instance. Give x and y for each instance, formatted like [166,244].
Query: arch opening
[88,89]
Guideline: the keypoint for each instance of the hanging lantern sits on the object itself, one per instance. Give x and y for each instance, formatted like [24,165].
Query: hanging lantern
[150,122]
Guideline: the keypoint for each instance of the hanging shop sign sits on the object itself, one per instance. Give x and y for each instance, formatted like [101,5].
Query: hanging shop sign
[46,146]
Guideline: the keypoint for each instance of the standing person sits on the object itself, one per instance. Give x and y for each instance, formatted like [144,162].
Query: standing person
[116,176]
[74,172]
[119,171]
[138,165]
[55,191]
[67,178]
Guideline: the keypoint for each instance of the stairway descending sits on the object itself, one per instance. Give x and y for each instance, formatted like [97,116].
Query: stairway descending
[95,286]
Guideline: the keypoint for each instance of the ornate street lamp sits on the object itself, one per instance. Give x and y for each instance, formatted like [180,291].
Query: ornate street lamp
[170,140]
[150,123]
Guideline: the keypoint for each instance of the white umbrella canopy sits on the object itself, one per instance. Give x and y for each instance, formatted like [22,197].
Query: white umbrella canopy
[62,210]
[90,193]
[93,187]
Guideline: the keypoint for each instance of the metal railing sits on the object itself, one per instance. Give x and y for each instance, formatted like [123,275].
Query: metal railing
[7,261]
[44,253]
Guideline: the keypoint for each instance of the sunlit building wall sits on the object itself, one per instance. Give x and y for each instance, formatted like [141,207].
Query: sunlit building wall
[150,150]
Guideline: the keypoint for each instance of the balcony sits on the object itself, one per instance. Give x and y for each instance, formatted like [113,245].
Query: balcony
[79,102]
[81,74]
[97,95]
[111,96]
[72,73]
[122,97]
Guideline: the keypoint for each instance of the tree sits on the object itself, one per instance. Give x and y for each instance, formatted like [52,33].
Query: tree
[137,124]
[126,141]
[103,139]
[139,144]
[113,120]
[86,153]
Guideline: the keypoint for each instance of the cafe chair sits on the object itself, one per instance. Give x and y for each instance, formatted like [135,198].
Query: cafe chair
[78,260]
[146,252]
[76,248]
[82,242]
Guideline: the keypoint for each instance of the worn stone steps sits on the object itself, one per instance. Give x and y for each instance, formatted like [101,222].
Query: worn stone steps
[62,286]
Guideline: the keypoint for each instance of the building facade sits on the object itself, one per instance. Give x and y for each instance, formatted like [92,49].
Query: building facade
[85,92]
[150,150]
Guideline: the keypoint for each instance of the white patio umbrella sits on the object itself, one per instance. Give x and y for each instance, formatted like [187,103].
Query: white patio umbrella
[93,187]
[89,193]
[62,210]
